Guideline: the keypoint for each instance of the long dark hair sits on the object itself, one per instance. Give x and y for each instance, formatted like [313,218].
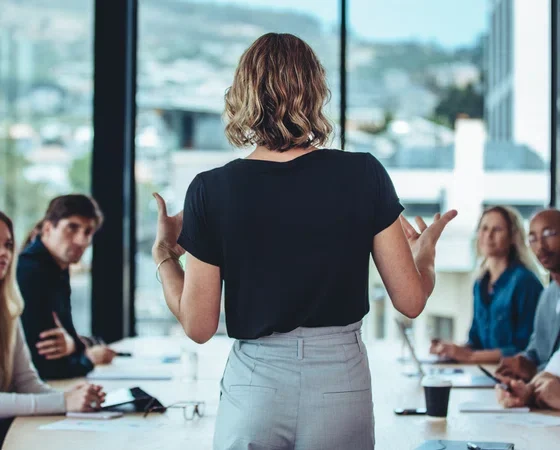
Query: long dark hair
[66,206]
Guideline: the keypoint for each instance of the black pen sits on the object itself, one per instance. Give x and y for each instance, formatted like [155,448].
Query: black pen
[128,354]
[499,382]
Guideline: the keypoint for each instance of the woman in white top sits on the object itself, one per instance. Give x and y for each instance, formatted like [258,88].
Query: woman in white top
[22,393]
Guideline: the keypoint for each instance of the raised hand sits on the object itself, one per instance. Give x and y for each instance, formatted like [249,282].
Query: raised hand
[168,230]
[423,243]
[56,343]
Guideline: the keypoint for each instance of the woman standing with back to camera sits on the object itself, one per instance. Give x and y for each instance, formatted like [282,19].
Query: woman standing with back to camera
[289,230]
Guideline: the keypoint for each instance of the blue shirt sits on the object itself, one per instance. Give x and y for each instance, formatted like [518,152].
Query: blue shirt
[504,318]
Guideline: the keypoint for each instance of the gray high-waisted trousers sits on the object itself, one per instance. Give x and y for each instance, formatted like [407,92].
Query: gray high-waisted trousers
[303,390]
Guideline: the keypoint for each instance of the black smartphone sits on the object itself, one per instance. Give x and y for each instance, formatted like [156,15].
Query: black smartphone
[410,411]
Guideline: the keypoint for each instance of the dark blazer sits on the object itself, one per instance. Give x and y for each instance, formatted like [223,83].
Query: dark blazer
[45,288]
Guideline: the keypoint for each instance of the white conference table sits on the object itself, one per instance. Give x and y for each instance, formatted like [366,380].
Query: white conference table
[169,431]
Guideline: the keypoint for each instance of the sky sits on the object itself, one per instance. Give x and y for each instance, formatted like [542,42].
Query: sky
[451,23]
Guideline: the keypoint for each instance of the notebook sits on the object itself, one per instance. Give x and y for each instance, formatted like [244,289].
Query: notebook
[490,408]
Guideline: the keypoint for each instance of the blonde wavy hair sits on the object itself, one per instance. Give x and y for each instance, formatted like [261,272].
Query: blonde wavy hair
[11,307]
[277,96]
[519,251]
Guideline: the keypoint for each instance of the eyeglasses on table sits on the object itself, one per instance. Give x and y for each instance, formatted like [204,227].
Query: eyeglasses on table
[191,409]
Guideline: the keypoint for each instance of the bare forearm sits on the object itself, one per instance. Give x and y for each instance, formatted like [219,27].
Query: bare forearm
[485,356]
[428,278]
[171,274]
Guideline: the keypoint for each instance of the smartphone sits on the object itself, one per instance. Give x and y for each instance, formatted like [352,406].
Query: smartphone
[410,411]
[503,386]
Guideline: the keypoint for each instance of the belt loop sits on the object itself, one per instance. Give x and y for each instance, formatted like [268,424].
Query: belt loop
[300,349]
[359,340]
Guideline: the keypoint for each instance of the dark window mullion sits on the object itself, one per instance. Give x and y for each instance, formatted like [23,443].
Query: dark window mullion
[113,182]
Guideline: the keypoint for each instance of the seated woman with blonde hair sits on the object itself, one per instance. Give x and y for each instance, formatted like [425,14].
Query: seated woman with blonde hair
[22,393]
[506,292]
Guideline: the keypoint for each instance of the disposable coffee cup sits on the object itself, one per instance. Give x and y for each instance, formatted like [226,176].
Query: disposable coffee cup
[436,391]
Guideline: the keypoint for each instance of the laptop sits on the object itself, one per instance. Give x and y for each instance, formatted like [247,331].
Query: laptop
[458,380]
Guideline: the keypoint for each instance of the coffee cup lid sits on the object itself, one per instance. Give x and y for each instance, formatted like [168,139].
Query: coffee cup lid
[431,381]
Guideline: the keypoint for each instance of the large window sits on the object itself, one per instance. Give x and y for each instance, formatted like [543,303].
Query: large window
[187,54]
[454,99]
[46,73]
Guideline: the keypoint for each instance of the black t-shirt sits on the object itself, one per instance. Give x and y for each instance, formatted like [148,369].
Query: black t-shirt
[292,239]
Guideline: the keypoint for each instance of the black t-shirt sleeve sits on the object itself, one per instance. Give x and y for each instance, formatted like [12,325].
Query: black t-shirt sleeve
[386,204]
[196,235]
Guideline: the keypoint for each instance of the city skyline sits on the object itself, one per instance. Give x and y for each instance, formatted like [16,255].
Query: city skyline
[449,24]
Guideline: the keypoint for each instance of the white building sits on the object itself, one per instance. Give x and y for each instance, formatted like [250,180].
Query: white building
[517,100]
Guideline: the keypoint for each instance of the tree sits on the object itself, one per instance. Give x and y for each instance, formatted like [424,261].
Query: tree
[373,128]
[458,101]
[25,201]
[80,174]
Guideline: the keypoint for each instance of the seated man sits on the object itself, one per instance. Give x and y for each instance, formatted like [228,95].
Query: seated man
[544,238]
[543,391]
[61,239]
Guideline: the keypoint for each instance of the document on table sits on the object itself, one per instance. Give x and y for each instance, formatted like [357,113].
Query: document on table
[531,420]
[117,373]
[492,407]
[102,425]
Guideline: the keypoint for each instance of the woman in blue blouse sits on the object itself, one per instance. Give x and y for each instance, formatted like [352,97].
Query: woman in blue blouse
[506,292]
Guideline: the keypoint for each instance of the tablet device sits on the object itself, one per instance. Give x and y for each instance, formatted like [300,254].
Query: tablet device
[128,400]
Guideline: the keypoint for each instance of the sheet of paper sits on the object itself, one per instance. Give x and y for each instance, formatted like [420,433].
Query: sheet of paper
[117,373]
[122,424]
[531,420]
[489,408]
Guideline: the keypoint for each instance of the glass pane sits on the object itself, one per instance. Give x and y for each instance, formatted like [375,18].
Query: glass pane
[46,81]
[453,98]
[187,54]
[557,100]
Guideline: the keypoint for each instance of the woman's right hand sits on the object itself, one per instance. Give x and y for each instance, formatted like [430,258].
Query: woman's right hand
[168,231]
[423,243]
[84,397]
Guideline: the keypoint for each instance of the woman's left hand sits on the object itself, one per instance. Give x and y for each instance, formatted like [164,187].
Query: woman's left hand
[453,351]
[168,230]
